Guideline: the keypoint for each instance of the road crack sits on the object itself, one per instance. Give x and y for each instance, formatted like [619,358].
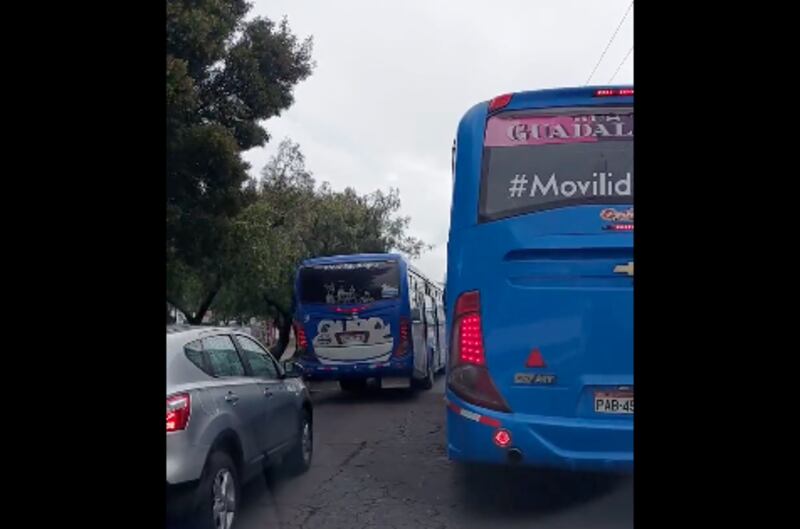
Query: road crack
[314,510]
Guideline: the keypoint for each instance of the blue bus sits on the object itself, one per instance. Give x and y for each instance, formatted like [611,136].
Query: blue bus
[540,281]
[368,316]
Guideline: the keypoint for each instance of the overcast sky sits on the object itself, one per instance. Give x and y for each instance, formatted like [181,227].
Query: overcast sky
[394,78]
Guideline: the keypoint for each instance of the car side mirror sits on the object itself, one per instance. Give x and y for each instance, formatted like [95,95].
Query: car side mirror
[292,369]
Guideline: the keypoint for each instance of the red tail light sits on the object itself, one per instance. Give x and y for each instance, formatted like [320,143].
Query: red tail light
[300,336]
[502,438]
[500,102]
[470,340]
[405,332]
[612,92]
[178,410]
[469,376]
[352,310]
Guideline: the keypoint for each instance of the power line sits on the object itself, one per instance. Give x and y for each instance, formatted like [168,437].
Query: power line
[609,44]
[620,64]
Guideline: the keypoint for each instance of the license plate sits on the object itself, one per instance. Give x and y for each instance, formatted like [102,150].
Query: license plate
[349,338]
[613,402]
[395,382]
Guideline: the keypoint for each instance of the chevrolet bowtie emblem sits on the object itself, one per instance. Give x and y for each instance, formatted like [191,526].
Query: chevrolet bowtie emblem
[624,269]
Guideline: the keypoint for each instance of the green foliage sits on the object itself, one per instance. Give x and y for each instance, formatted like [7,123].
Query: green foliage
[224,76]
[293,219]
[233,244]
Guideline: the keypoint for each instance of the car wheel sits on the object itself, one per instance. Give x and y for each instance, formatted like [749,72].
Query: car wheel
[218,494]
[299,459]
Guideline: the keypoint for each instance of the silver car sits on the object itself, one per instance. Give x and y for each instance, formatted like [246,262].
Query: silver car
[232,411]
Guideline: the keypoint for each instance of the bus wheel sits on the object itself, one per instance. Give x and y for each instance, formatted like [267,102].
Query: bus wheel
[353,385]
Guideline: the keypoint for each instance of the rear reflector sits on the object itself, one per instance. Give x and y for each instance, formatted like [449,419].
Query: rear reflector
[488,421]
[500,102]
[535,359]
[502,438]
[614,92]
[471,415]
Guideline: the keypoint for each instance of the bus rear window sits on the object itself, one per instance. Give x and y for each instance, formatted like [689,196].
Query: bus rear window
[344,283]
[538,161]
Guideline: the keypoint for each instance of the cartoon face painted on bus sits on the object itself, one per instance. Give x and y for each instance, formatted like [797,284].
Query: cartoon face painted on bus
[358,338]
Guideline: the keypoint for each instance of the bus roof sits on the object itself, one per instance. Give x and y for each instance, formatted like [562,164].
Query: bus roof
[559,97]
[574,91]
[366,257]
[333,259]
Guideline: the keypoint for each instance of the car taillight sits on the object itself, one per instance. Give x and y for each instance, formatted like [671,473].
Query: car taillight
[402,345]
[178,409]
[300,336]
[468,376]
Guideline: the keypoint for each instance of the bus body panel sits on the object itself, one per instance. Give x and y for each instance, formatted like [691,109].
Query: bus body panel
[356,340]
[548,281]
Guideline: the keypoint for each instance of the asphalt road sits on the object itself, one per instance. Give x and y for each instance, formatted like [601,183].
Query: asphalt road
[380,462]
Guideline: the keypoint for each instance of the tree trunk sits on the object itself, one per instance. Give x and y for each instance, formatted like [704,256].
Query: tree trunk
[283,321]
[178,307]
[197,319]
[284,325]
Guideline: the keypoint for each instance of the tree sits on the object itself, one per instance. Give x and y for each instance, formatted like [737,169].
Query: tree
[224,76]
[293,219]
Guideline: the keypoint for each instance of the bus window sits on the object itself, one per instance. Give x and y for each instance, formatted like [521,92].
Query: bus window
[529,175]
[349,283]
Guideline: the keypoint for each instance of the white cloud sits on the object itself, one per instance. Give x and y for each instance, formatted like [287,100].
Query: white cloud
[394,78]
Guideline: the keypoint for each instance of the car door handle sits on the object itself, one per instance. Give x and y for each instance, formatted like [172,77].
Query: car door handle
[231,397]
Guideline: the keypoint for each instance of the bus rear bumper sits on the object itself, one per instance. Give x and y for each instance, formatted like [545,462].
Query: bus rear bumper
[604,445]
[356,371]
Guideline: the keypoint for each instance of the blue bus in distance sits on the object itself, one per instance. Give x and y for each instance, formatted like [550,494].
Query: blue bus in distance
[368,316]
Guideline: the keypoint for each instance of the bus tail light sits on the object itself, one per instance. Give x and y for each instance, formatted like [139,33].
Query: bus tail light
[613,92]
[300,335]
[500,102]
[468,376]
[178,410]
[402,345]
